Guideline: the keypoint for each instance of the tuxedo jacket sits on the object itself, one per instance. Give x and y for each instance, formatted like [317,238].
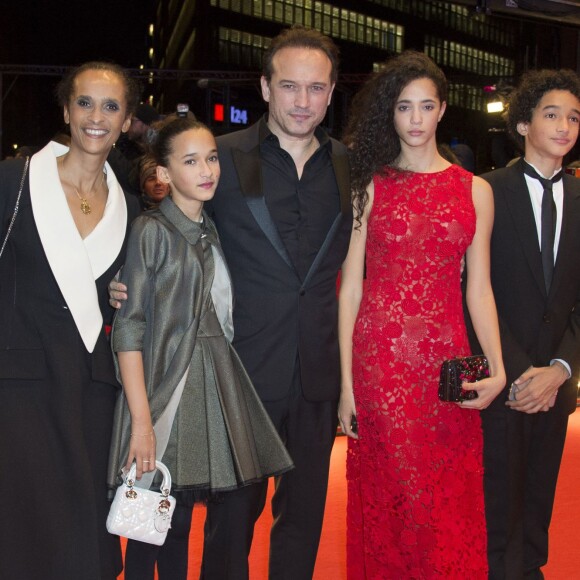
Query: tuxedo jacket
[38,336]
[536,327]
[279,318]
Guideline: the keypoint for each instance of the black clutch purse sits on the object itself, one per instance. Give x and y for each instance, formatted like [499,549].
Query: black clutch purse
[458,370]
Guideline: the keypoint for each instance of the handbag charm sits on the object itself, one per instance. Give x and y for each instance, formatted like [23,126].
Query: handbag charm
[458,370]
[142,514]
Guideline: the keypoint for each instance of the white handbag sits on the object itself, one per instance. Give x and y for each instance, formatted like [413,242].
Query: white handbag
[141,514]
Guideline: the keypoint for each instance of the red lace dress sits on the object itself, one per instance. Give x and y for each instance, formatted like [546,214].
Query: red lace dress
[415,477]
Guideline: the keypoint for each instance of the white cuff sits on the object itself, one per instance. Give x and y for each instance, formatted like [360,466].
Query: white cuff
[564,363]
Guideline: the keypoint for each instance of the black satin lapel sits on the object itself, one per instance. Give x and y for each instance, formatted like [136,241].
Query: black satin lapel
[570,226]
[324,248]
[518,201]
[341,167]
[249,169]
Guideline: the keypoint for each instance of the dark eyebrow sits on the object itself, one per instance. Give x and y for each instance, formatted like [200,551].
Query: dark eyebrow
[105,100]
[559,108]
[196,153]
[322,83]
[423,101]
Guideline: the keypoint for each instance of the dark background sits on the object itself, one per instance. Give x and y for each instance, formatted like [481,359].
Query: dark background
[43,37]
[55,33]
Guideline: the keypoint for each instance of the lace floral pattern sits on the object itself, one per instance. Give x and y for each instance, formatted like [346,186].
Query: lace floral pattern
[415,477]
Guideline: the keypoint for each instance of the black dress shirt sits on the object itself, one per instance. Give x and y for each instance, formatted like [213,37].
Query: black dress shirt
[302,209]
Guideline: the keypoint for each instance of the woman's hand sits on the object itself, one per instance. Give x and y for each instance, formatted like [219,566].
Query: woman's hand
[480,300]
[487,390]
[347,413]
[142,443]
[142,449]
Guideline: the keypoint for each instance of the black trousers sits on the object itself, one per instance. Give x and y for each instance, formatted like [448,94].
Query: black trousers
[171,557]
[308,430]
[522,456]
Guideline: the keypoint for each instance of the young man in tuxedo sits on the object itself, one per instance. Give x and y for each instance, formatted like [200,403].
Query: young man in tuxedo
[283,212]
[535,271]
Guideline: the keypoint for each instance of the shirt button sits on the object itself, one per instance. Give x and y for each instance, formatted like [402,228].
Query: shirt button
[302,292]
[547,318]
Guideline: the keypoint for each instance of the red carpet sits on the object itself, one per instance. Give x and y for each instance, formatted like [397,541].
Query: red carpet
[564,546]
[564,562]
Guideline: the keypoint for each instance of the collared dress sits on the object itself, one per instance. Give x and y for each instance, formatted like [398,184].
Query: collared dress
[57,379]
[211,428]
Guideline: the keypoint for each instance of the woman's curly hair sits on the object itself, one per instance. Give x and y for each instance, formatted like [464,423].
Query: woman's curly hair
[370,133]
[532,87]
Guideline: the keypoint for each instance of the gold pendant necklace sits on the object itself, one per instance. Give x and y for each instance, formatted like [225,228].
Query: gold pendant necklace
[85,205]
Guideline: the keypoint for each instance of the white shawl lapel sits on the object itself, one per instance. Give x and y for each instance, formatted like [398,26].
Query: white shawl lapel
[75,263]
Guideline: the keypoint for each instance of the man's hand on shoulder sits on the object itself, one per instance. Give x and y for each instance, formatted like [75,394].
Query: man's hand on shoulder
[117,293]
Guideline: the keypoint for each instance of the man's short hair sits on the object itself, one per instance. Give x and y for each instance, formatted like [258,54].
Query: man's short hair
[301,37]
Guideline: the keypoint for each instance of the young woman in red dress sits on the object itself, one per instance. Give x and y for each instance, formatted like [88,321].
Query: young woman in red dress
[415,475]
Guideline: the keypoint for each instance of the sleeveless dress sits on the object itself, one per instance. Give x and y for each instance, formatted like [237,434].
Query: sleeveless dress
[415,477]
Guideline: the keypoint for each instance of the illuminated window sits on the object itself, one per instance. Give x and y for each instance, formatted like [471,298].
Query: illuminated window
[331,20]
[462,57]
[242,48]
[466,96]
[456,17]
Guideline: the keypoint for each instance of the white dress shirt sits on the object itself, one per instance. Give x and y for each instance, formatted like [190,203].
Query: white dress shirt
[536,190]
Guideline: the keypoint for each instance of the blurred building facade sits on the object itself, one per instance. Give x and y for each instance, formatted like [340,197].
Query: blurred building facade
[476,49]
[208,53]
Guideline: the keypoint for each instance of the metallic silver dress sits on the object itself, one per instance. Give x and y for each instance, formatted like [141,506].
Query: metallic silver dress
[212,430]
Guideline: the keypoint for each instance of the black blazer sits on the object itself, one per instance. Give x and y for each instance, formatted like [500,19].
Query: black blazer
[38,337]
[278,317]
[535,327]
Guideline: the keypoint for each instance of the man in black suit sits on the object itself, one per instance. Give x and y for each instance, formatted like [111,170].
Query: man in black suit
[283,212]
[535,271]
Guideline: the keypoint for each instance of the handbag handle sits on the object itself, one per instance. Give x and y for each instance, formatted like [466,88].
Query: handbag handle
[165,484]
[16,206]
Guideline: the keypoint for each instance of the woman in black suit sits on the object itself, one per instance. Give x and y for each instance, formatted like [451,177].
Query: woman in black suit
[57,382]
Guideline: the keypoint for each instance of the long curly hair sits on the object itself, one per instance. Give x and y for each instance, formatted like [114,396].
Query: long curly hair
[532,87]
[370,133]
